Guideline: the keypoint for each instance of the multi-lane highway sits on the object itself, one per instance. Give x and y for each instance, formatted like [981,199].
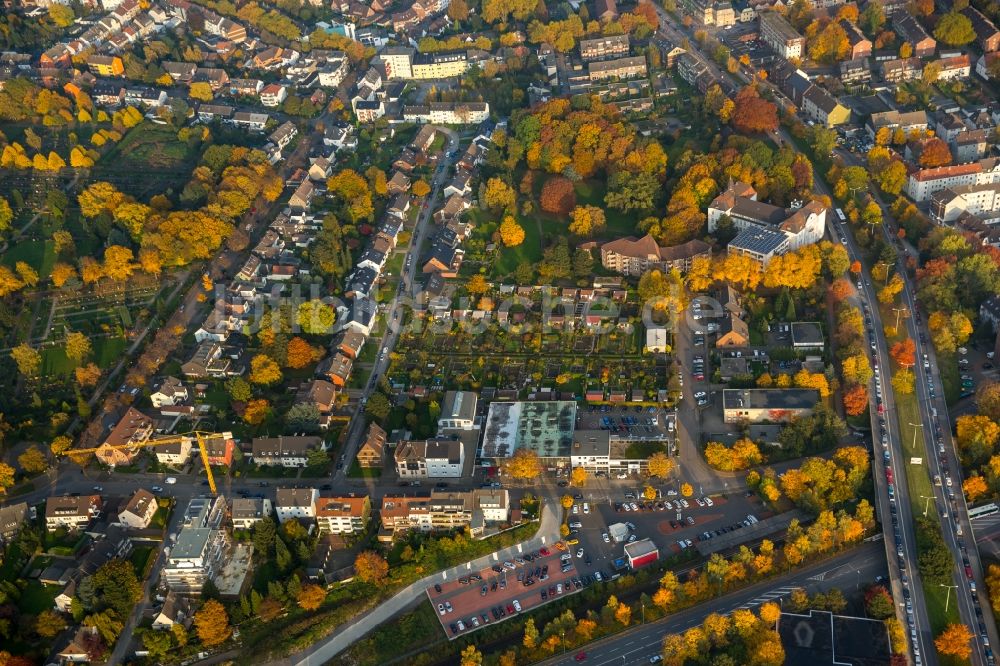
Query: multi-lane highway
[892,500]
[941,459]
[635,646]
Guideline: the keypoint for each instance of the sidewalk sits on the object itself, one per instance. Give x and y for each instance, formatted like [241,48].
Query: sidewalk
[344,637]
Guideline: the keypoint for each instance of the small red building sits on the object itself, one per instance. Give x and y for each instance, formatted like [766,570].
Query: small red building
[640,553]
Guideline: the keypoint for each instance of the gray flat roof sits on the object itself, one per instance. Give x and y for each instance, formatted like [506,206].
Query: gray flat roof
[789,398]
[190,542]
[807,333]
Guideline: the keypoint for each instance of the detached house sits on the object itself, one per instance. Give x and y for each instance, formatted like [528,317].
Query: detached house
[246,512]
[372,451]
[171,391]
[349,343]
[121,446]
[139,511]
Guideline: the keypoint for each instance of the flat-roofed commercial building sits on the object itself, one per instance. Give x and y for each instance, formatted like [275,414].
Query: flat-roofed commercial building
[758,405]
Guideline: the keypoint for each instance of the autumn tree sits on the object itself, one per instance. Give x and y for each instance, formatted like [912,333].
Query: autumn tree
[300,353]
[61,274]
[687,489]
[587,221]
[498,195]
[558,196]
[118,263]
[256,411]
[6,477]
[659,465]
[954,640]
[904,353]
[78,346]
[476,285]
[974,487]
[420,188]
[27,359]
[830,44]
[212,623]
[315,317]
[200,90]
[264,370]
[988,400]
[311,597]
[935,153]
[524,465]
[60,445]
[87,375]
[32,460]
[511,233]
[855,400]
[578,477]
[370,567]
[752,114]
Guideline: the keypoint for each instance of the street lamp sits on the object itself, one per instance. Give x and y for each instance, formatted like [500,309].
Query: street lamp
[948,596]
[927,503]
[887,265]
[897,311]
[915,426]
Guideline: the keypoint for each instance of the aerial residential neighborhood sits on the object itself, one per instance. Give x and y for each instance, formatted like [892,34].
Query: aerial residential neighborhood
[463,332]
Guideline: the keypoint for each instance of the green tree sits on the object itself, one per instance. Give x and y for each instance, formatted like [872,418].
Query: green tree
[954,29]
[378,406]
[239,389]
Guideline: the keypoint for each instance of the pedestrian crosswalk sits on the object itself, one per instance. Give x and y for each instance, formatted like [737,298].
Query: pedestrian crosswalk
[773,595]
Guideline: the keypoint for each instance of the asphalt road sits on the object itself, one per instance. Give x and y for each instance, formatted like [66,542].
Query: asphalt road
[845,571]
[394,310]
[905,550]
[941,458]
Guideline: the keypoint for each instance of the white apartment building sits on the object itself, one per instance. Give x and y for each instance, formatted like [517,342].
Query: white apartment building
[800,226]
[430,459]
[343,515]
[983,201]
[925,182]
[246,512]
[295,503]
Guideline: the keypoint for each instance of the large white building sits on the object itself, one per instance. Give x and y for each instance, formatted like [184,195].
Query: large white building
[447,113]
[780,35]
[201,549]
[983,201]
[925,182]
[799,226]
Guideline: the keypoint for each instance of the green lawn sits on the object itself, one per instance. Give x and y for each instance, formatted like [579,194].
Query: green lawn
[140,559]
[107,352]
[40,255]
[591,192]
[37,597]
[160,518]
[529,251]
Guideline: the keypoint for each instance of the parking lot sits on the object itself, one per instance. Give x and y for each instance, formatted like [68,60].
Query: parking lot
[494,594]
[631,423]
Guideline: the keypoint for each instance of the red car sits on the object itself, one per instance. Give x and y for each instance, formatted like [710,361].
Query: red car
[581,656]
[544,551]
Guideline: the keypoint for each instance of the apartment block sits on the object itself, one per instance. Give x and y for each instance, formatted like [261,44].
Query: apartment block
[343,515]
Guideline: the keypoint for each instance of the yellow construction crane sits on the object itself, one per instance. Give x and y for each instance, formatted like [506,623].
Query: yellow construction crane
[197,435]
